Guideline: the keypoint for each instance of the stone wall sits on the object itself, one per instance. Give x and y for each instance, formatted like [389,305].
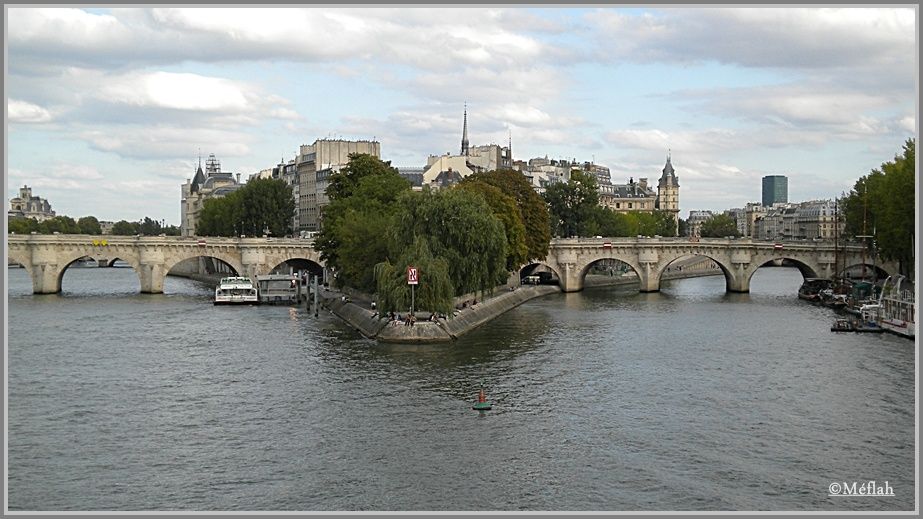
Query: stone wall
[463,321]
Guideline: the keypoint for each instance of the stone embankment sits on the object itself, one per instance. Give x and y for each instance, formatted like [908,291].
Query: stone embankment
[358,313]
[371,325]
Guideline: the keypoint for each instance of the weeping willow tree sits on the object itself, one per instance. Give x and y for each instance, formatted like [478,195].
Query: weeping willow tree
[460,227]
[434,291]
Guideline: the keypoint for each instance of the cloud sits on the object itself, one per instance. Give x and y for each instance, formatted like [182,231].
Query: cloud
[161,35]
[176,91]
[792,38]
[165,142]
[25,112]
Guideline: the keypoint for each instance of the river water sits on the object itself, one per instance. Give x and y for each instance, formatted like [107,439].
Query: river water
[608,399]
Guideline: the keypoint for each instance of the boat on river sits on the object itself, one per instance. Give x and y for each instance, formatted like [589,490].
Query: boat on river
[278,288]
[842,325]
[236,290]
[897,306]
[811,288]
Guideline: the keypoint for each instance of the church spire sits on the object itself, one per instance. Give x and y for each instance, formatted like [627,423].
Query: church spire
[464,143]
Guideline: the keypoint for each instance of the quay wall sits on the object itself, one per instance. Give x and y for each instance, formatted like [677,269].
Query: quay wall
[463,321]
[360,316]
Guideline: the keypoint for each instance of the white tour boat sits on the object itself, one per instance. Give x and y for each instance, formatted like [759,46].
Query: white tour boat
[236,291]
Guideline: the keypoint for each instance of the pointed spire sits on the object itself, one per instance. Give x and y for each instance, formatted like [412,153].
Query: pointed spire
[464,143]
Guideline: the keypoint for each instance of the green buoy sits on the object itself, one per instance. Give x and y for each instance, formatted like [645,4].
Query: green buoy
[482,404]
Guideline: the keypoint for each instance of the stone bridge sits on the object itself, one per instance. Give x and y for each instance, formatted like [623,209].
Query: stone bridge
[46,257]
[571,258]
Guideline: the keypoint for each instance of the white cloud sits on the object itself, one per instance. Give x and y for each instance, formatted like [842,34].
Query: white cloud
[26,112]
[908,124]
[177,91]
[761,37]
[162,142]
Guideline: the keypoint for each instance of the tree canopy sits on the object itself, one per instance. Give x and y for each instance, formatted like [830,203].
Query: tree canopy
[433,293]
[882,204]
[459,227]
[89,225]
[611,223]
[532,208]
[356,224]
[573,204]
[361,165]
[505,209]
[261,206]
[719,226]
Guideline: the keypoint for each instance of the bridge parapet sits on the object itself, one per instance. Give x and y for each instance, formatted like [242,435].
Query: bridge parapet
[738,258]
[47,256]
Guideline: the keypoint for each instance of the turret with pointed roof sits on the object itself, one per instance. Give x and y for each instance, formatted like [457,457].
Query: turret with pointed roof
[198,179]
[669,176]
[668,191]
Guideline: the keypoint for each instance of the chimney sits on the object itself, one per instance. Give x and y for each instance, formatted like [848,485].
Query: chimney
[238,178]
[643,183]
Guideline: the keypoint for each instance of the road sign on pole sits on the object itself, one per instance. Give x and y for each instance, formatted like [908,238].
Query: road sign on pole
[413,278]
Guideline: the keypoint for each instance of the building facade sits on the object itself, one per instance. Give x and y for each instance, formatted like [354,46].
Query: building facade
[668,192]
[695,221]
[775,190]
[28,206]
[207,184]
[630,197]
[448,169]
[314,165]
[812,220]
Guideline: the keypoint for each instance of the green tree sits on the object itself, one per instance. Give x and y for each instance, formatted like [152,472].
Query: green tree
[532,208]
[22,225]
[572,205]
[89,225]
[504,207]
[60,224]
[125,228]
[683,227]
[882,203]
[171,230]
[342,183]
[434,291]
[460,228]
[221,216]
[259,206]
[266,205]
[719,226]
[149,227]
[356,228]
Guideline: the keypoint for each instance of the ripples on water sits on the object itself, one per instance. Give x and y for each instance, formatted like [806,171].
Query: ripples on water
[687,399]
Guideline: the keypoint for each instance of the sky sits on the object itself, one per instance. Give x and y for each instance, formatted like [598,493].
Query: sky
[108,110]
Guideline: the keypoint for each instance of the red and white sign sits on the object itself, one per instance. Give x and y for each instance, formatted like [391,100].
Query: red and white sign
[413,276]
[607,244]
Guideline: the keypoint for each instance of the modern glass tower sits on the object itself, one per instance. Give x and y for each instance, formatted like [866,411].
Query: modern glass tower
[775,189]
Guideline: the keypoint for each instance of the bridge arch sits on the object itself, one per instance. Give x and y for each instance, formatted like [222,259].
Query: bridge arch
[663,273]
[585,269]
[299,259]
[75,256]
[877,270]
[175,259]
[529,269]
[808,269]
[296,263]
